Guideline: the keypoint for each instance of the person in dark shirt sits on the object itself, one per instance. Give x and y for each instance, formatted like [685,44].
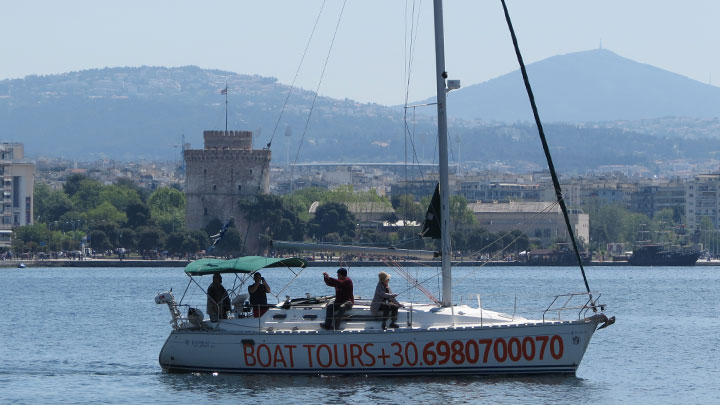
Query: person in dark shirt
[257,292]
[218,302]
[344,299]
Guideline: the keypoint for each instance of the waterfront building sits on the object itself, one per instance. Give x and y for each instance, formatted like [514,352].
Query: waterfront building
[702,200]
[542,222]
[474,190]
[649,199]
[17,190]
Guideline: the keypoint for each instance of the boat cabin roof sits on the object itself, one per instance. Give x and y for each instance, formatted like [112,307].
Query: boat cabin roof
[245,264]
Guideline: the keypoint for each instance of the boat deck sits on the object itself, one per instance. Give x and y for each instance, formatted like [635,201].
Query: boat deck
[308,317]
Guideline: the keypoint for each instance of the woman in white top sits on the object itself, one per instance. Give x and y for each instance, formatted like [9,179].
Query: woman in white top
[384,300]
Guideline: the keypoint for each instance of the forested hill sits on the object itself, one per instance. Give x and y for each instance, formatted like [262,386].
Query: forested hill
[132,113]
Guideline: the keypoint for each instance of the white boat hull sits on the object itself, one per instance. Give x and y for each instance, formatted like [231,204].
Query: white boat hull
[553,347]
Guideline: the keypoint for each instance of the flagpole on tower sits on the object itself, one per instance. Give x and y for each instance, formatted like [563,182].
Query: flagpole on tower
[226,104]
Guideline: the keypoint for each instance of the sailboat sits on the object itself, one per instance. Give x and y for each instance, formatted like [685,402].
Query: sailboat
[436,338]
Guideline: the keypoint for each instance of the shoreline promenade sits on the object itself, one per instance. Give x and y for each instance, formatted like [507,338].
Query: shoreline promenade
[313,263]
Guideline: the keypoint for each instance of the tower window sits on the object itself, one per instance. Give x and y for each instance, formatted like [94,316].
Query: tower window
[239,187]
[214,186]
[205,212]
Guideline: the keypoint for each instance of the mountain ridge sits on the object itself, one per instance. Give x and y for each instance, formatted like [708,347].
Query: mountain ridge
[131,113]
[586,86]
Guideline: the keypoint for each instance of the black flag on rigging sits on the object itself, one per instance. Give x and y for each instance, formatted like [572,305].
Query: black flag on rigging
[431,225]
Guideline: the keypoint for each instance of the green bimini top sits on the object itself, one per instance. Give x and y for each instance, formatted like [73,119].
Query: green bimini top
[245,264]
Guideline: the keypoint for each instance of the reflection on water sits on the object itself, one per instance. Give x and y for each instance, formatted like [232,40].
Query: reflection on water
[345,389]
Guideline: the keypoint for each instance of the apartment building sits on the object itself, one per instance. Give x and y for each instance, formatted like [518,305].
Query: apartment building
[17,190]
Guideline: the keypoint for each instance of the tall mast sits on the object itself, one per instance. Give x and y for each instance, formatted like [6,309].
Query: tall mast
[440,76]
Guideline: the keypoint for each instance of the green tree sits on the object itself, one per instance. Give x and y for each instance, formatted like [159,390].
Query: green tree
[127,238]
[167,208]
[143,193]
[99,241]
[614,223]
[278,221]
[87,195]
[231,242]
[407,208]
[105,212]
[111,231]
[373,237]
[332,218]
[119,196]
[149,238]
[72,184]
[49,204]
[138,214]
[461,217]
[517,241]
[174,242]
[201,239]
[30,237]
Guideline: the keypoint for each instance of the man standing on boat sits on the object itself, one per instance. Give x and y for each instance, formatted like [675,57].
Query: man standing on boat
[218,302]
[344,299]
[258,297]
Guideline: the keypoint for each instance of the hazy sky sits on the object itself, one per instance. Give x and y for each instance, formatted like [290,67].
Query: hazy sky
[368,60]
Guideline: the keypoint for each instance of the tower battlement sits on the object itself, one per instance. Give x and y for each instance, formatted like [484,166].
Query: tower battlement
[228,139]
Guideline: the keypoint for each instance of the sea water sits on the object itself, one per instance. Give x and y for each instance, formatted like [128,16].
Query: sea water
[92,335]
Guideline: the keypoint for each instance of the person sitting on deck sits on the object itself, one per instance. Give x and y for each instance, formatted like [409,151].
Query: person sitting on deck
[258,297]
[218,301]
[344,299]
[384,300]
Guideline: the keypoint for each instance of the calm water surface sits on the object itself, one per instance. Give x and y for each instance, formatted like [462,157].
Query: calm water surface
[93,335]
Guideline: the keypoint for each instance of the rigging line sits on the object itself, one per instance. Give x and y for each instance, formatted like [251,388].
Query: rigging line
[546,149]
[262,172]
[415,19]
[282,290]
[474,269]
[407,241]
[411,48]
[297,73]
[317,89]
[410,279]
[420,283]
[411,136]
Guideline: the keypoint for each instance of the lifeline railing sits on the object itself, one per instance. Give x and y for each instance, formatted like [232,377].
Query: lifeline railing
[592,302]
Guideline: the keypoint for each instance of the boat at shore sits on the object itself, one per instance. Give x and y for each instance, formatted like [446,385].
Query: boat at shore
[437,337]
[659,255]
